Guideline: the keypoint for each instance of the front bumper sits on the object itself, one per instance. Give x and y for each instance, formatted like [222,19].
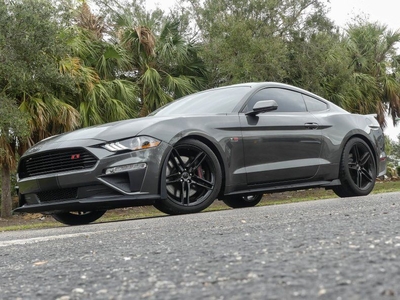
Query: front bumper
[93,189]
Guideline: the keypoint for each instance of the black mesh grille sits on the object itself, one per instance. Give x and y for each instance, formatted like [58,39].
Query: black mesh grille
[57,161]
[57,195]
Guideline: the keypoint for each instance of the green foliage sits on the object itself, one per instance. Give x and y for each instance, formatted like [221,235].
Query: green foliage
[13,126]
[164,65]
[30,47]
[374,65]
[30,82]
[389,145]
[394,147]
[257,40]
[96,65]
[29,44]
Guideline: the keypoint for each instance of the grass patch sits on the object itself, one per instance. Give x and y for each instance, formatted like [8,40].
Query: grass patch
[39,221]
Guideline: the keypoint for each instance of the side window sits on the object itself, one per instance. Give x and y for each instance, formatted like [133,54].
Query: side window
[288,101]
[314,104]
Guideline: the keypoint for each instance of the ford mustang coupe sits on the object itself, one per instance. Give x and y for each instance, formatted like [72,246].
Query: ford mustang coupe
[232,143]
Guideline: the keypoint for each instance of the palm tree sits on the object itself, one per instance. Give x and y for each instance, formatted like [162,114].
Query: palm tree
[164,66]
[96,65]
[376,73]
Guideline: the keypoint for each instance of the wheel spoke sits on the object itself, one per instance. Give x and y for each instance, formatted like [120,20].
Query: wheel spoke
[182,193]
[173,178]
[177,161]
[185,193]
[365,158]
[366,175]
[359,178]
[356,154]
[197,161]
[202,183]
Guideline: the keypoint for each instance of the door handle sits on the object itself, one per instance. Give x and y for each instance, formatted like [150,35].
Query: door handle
[311,125]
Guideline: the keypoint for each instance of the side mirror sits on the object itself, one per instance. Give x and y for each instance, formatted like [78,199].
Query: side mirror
[262,107]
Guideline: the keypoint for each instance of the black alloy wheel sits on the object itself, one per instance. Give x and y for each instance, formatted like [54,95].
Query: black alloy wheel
[357,170]
[78,217]
[243,201]
[193,178]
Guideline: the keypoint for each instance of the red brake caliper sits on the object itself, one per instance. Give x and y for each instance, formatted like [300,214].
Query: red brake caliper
[200,172]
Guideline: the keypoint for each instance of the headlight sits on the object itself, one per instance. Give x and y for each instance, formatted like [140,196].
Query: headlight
[136,143]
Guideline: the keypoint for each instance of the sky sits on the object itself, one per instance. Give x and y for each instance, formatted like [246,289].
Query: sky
[341,12]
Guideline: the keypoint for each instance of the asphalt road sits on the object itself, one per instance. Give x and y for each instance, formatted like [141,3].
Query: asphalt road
[328,249]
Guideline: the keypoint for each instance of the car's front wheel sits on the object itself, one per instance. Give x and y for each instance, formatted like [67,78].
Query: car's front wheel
[193,178]
[243,201]
[78,217]
[357,170]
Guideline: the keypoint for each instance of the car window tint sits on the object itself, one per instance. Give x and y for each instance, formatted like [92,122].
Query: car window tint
[288,101]
[314,104]
[215,101]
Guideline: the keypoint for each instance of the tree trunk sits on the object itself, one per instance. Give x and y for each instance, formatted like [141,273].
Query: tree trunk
[6,201]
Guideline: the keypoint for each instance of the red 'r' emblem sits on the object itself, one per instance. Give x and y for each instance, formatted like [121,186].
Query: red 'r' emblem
[75,156]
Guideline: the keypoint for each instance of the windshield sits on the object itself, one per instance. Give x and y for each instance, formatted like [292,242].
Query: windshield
[216,101]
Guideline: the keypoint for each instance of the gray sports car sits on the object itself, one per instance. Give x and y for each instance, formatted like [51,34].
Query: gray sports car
[232,143]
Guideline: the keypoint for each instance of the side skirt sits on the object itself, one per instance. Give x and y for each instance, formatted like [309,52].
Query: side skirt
[288,187]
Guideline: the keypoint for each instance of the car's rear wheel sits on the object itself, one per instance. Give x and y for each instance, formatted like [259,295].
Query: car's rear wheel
[243,201]
[78,217]
[193,178]
[357,170]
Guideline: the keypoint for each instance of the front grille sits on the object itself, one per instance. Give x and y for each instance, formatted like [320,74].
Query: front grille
[56,161]
[58,195]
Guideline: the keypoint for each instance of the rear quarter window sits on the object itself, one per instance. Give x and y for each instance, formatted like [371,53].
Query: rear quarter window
[314,105]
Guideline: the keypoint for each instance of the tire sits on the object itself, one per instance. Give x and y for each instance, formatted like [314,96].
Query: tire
[243,201]
[78,218]
[193,179]
[357,172]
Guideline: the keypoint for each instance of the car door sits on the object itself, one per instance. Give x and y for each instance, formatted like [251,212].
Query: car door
[281,145]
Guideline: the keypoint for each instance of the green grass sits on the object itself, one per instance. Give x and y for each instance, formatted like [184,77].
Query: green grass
[47,224]
[37,221]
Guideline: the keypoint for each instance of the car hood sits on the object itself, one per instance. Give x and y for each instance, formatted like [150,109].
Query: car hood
[104,133]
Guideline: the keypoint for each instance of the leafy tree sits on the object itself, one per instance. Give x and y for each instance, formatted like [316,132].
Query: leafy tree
[316,60]
[29,73]
[248,40]
[29,80]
